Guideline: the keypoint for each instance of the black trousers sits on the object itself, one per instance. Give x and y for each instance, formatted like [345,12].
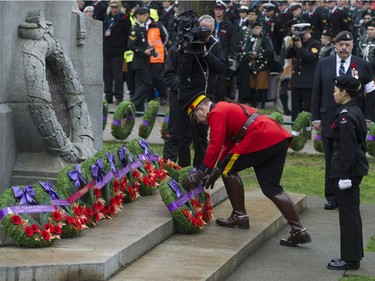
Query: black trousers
[143,86]
[130,79]
[351,238]
[171,144]
[113,77]
[191,132]
[301,101]
[157,71]
[268,165]
[329,184]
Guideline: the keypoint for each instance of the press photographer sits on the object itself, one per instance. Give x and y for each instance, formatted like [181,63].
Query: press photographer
[305,54]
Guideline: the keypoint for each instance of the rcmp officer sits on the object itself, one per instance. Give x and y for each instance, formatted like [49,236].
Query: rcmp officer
[349,165]
[324,107]
[141,61]
[305,54]
[241,138]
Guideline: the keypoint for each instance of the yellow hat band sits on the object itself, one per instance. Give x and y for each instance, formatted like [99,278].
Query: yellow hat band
[195,103]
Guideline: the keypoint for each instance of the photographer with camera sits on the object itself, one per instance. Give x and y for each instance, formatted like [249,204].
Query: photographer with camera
[305,54]
[192,65]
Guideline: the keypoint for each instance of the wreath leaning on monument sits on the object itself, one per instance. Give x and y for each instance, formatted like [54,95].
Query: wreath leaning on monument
[125,111]
[148,121]
[301,131]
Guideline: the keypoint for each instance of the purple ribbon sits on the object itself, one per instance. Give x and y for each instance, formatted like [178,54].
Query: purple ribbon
[122,152]
[111,160]
[318,137]
[145,123]
[97,170]
[76,176]
[151,158]
[166,119]
[25,196]
[26,210]
[192,172]
[185,198]
[176,188]
[116,122]
[143,144]
[49,189]
[60,202]
[370,137]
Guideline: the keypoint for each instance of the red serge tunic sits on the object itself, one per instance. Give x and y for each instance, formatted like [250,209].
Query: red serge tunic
[226,120]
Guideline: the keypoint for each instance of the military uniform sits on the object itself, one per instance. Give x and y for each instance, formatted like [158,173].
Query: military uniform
[336,21]
[305,60]
[141,65]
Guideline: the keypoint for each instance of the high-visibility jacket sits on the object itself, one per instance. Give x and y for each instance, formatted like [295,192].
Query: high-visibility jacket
[154,38]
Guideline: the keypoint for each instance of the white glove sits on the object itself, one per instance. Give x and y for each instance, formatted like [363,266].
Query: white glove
[345,184]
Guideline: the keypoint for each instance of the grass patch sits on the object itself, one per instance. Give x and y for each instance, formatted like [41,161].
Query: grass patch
[350,277]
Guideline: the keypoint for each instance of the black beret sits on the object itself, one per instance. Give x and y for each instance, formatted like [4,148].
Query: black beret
[348,83]
[254,10]
[370,23]
[368,12]
[327,32]
[344,36]
[257,23]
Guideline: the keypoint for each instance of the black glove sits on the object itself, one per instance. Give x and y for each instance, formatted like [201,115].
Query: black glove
[211,179]
[191,181]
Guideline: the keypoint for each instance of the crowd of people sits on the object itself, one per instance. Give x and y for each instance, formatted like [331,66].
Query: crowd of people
[216,69]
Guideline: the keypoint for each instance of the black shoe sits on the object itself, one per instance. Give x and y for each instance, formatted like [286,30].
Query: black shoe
[330,205]
[118,102]
[338,264]
[109,100]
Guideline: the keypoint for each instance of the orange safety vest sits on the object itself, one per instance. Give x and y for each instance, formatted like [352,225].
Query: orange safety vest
[154,39]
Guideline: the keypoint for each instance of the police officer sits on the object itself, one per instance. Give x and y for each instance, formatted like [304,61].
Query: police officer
[141,61]
[349,165]
[305,55]
[241,138]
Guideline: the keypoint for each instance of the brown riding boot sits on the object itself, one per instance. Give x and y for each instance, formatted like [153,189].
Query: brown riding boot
[235,191]
[298,234]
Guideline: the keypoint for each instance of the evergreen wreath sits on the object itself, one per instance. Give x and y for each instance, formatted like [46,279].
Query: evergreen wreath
[125,111]
[164,127]
[370,142]
[278,117]
[105,113]
[301,131]
[318,143]
[149,117]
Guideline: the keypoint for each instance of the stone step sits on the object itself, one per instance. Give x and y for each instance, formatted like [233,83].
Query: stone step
[100,252]
[214,253]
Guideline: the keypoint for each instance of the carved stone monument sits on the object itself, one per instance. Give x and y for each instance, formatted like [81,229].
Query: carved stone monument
[50,89]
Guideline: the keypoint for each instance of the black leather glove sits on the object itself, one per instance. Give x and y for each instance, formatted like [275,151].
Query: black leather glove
[211,179]
[192,181]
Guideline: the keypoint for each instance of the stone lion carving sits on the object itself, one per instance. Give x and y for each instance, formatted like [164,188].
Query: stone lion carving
[42,48]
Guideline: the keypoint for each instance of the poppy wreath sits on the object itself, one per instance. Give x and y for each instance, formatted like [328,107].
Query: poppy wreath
[150,174]
[171,168]
[45,225]
[318,143]
[105,113]
[122,129]
[149,117]
[164,127]
[301,131]
[278,117]
[370,142]
[190,210]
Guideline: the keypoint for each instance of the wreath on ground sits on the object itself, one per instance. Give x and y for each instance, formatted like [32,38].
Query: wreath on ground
[301,131]
[278,117]
[190,210]
[105,113]
[148,121]
[164,127]
[370,142]
[122,129]
[318,143]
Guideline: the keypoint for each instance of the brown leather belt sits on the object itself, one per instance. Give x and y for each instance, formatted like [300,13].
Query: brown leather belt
[239,137]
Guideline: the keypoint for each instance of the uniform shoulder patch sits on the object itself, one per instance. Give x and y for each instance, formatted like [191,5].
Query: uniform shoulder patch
[132,35]
[343,119]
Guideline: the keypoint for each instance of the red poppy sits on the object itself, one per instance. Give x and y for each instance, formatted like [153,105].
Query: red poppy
[96,216]
[353,65]
[97,192]
[29,231]
[16,219]
[57,229]
[69,220]
[48,226]
[35,227]
[46,236]
[78,210]
[56,216]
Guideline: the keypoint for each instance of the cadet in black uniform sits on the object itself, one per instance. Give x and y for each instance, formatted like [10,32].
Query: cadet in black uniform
[141,60]
[348,166]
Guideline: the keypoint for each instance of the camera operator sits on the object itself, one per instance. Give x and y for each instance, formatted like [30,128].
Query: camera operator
[192,65]
[305,54]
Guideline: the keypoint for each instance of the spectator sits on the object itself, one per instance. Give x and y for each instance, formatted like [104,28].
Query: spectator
[89,11]
[100,8]
[116,27]
[368,45]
